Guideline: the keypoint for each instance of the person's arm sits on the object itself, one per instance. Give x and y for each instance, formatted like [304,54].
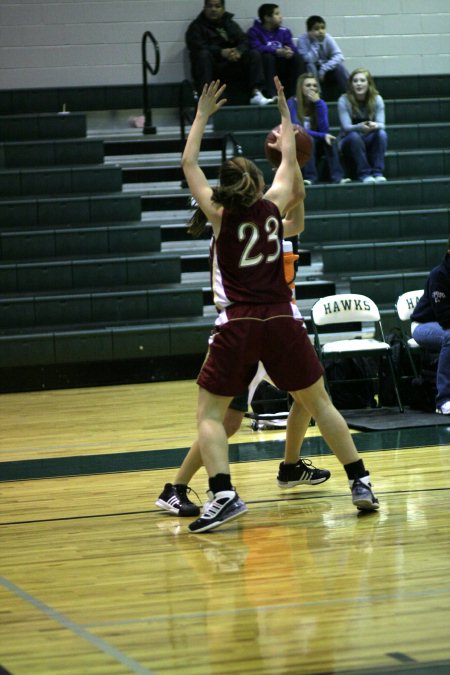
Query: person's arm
[323,126]
[292,105]
[236,36]
[200,189]
[283,192]
[333,53]
[308,48]
[439,293]
[345,118]
[294,220]
[379,116]
[257,40]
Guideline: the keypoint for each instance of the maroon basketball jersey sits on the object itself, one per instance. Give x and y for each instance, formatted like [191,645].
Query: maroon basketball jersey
[247,258]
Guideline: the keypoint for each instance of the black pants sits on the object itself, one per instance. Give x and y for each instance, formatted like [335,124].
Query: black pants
[246,74]
[287,70]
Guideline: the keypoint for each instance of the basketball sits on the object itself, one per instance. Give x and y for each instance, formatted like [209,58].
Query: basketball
[303,144]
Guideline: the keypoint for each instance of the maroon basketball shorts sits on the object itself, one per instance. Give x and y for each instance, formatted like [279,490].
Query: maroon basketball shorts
[246,334]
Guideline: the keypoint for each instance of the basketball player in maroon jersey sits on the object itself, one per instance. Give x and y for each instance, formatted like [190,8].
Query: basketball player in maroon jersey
[257,320]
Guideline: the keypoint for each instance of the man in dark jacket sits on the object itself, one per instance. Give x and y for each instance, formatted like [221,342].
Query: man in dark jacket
[218,49]
[431,327]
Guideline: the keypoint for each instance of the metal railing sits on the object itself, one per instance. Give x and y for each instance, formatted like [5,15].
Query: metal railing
[147,68]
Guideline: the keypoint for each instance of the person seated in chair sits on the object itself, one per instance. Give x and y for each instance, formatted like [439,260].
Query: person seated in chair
[430,327]
[218,49]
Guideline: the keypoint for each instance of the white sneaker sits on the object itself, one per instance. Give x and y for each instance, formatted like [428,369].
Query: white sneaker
[444,409]
[343,181]
[379,179]
[307,182]
[259,99]
[368,179]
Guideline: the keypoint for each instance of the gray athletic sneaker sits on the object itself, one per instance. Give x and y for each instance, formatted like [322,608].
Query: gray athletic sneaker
[362,495]
[224,506]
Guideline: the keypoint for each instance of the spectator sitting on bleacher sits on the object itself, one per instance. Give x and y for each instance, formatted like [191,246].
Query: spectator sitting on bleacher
[430,327]
[321,53]
[363,136]
[311,112]
[218,49]
[279,54]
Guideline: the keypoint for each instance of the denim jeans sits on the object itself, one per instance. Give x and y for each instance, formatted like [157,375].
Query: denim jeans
[366,151]
[432,336]
[320,147]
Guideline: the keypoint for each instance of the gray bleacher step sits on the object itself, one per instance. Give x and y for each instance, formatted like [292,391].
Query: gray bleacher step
[51,152]
[382,256]
[107,271]
[61,180]
[112,238]
[74,209]
[42,126]
[411,192]
[78,308]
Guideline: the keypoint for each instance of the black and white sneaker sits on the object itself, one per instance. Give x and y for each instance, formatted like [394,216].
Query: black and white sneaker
[174,498]
[362,495]
[301,473]
[224,506]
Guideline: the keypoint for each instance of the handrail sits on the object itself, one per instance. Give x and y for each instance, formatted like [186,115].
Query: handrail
[187,100]
[229,142]
[146,68]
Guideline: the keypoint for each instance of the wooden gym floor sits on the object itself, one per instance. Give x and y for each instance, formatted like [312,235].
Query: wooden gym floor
[95,579]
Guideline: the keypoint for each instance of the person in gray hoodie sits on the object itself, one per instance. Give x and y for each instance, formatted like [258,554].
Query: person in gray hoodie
[322,54]
[278,51]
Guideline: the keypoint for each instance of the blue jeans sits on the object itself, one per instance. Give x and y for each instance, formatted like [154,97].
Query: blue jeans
[366,151]
[433,337]
[320,147]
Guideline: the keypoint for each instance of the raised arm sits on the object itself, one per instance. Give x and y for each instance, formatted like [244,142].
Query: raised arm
[284,191]
[200,189]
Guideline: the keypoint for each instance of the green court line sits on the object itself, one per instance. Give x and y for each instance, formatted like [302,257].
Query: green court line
[144,460]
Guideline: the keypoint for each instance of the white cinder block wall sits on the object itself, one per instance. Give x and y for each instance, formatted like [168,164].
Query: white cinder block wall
[57,43]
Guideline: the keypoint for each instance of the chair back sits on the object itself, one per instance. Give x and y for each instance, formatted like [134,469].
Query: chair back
[406,304]
[344,308]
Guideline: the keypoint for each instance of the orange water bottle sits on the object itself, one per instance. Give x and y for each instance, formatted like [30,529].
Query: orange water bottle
[289,270]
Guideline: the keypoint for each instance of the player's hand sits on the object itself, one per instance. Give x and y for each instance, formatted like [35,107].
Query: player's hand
[209,102]
[282,103]
[329,139]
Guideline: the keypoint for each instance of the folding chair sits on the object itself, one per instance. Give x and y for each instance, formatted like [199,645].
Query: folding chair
[340,311]
[405,306]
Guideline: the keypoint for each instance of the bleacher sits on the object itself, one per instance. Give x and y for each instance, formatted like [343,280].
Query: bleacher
[99,280]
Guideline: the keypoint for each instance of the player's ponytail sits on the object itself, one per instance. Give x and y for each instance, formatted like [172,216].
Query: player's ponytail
[239,184]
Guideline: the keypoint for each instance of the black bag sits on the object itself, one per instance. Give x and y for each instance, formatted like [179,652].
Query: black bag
[268,399]
[418,392]
[402,368]
[423,390]
[348,395]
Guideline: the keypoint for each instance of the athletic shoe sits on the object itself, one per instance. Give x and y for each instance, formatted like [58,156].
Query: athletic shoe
[379,179]
[260,99]
[368,179]
[362,495]
[444,409]
[343,181]
[302,473]
[225,506]
[175,500]
[306,181]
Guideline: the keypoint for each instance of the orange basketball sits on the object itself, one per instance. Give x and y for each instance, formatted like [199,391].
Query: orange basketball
[303,144]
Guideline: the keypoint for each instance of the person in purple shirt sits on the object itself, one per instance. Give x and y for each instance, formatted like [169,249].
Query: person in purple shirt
[311,112]
[279,54]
